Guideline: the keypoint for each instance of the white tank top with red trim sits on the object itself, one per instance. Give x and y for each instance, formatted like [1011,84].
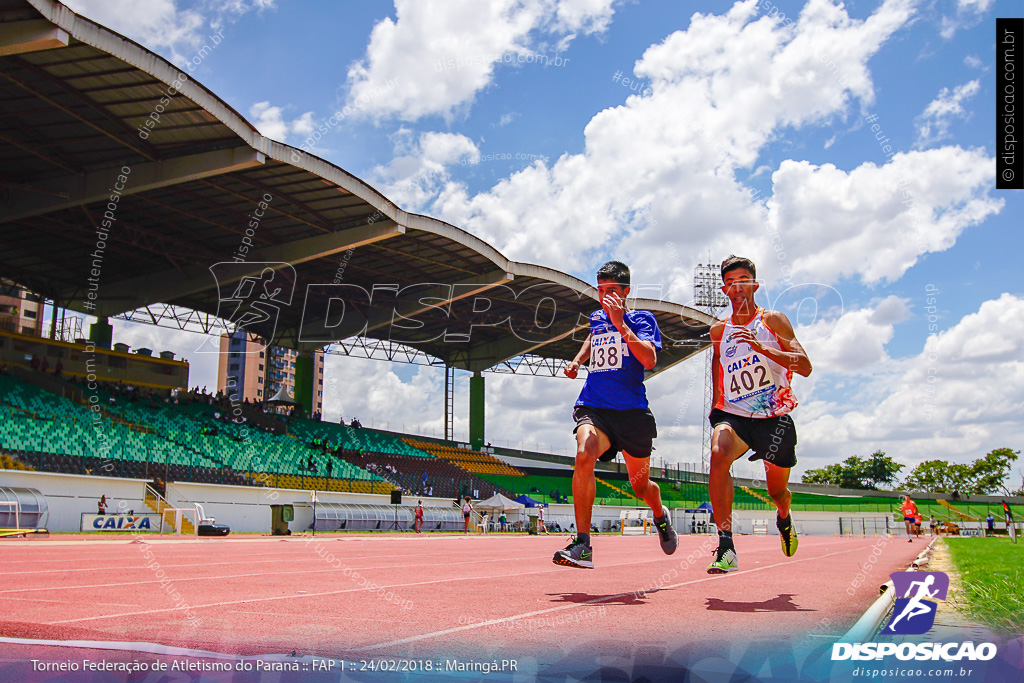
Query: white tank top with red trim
[752,385]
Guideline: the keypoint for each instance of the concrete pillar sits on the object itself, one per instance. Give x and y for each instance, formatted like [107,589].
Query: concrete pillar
[476,410]
[304,381]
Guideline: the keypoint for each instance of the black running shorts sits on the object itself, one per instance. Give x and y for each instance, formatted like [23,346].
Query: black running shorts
[632,431]
[772,439]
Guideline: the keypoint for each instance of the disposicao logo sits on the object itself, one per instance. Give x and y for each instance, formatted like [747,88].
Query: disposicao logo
[921,652]
[917,598]
[914,612]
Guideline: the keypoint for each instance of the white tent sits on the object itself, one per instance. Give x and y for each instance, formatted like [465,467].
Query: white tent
[498,503]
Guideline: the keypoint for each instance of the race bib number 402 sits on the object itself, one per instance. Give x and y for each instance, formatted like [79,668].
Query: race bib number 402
[606,352]
[748,377]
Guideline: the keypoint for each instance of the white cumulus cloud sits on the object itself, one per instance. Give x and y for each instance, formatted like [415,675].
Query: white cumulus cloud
[934,122]
[168,24]
[270,121]
[419,170]
[959,397]
[875,222]
[660,171]
[436,55]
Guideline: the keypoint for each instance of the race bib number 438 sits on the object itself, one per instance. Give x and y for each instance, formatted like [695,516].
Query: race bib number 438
[606,352]
[747,377]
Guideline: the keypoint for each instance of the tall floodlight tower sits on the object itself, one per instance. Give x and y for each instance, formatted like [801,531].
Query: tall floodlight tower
[708,298]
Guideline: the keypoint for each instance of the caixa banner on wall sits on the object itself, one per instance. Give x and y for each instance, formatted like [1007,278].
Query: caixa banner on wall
[143,523]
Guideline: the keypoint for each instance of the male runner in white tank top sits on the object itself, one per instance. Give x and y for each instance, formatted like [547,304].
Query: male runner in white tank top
[755,356]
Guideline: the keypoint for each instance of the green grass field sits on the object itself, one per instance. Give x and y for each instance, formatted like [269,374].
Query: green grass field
[992,573]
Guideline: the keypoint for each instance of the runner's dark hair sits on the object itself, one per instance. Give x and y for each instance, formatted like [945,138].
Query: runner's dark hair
[614,271]
[734,262]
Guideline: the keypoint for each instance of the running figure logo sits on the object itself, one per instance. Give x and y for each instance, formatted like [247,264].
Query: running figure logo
[914,612]
[251,296]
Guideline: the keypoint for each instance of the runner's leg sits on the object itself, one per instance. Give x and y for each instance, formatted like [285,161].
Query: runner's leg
[726,447]
[639,476]
[777,479]
[591,443]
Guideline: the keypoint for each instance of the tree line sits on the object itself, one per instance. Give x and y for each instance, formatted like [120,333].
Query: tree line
[986,475]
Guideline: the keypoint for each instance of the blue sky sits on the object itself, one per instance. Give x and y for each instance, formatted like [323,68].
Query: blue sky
[743,127]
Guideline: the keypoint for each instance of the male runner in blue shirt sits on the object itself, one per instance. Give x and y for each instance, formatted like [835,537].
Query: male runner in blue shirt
[611,413]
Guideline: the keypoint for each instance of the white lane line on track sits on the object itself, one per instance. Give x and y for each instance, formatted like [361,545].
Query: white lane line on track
[489,577]
[68,602]
[273,573]
[243,561]
[151,648]
[159,649]
[246,561]
[191,542]
[490,622]
[291,571]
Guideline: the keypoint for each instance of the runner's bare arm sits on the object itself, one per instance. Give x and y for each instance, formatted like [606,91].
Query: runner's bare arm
[792,355]
[643,351]
[582,356]
[797,357]
[716,337]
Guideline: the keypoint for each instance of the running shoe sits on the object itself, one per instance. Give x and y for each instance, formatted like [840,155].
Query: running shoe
[576,554]
[725,561]
[788,533]
[666,534]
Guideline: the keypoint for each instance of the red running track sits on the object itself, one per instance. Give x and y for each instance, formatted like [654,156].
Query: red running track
[478,596]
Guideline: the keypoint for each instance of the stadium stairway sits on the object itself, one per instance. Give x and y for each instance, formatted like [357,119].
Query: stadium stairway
[446,478]
[616,488]
[757,494]
[159,506]
[963,515]
[154,503]
[475,462]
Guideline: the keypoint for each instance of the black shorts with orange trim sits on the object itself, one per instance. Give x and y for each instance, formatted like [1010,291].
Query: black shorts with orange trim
[772,439]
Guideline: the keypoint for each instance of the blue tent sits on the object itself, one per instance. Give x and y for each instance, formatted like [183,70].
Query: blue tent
[527,501]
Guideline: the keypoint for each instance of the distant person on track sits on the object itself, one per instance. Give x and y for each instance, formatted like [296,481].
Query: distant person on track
[101,505]
[990,522]
[540,520]
[502,520]
[467,510]
[419,517]
[917,525]
[755,353]
[612,413]
[909,509]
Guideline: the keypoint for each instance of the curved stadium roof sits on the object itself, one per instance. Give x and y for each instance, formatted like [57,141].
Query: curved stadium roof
[74,96]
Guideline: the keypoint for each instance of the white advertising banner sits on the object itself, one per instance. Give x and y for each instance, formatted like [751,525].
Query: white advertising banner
[141,523]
